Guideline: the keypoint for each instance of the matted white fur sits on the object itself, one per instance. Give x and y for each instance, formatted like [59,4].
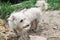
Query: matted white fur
[28,16]
[24,17]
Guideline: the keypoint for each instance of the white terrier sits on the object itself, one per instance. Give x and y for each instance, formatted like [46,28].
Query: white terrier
[24,17]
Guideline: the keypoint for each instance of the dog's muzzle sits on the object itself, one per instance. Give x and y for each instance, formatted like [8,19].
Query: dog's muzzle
[26,26]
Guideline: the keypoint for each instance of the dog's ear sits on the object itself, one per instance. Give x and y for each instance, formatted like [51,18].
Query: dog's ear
[23,10]
[12,18]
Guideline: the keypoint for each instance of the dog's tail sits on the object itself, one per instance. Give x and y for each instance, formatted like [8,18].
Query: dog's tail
[42,4]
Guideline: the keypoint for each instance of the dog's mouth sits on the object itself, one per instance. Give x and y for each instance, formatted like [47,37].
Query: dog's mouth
[26,26]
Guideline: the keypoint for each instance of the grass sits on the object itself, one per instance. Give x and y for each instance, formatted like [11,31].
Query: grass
[53,4]
[6,9]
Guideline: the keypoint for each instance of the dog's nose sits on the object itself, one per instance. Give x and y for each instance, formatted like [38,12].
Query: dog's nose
[26,26]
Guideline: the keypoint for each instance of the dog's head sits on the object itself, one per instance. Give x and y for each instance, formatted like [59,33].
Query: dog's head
[18,19]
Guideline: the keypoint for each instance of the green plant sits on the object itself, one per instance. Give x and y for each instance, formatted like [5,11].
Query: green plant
[6,9]
[53,4]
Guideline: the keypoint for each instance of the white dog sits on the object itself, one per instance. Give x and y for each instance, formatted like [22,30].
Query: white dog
[24,17]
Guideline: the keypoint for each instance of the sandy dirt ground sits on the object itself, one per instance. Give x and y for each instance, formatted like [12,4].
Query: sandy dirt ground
[50,25]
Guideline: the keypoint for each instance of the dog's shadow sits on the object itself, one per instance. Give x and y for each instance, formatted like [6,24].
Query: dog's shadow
[35,28]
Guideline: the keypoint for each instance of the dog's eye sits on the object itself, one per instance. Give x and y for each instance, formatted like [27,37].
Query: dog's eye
[21,20]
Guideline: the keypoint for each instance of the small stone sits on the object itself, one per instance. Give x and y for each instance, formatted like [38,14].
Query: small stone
[37,38]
